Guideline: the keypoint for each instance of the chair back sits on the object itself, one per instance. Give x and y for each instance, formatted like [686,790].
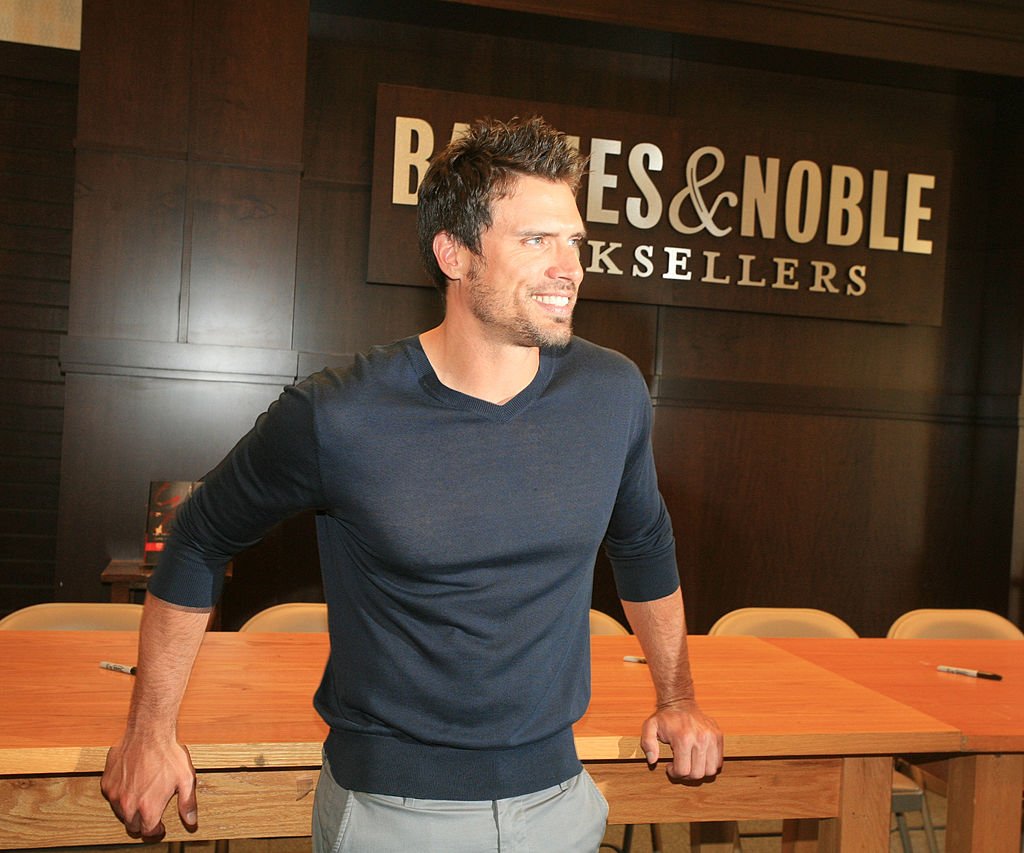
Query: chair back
[74,616]
[953,624]
[293,616]
[602,623]
[782,622]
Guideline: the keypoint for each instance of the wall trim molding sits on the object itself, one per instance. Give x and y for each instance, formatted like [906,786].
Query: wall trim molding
[984,37]
[168,360]
[987,410]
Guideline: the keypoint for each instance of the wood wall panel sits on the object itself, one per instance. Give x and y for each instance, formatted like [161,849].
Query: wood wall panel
[347,62]
[630,329]
[38,95]
[138,94]
[126,264]
[795,351]
[336,311]
[1005,272]
[241,278]
[185,245]
[341,85]
[986,532]
[847,514]
[241,110]
[164,429]
[944,35]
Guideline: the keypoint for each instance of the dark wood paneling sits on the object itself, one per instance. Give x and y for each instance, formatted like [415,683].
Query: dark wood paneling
[43,188]
[38,214]
[33,239]
[949,35]
[36,108]
[163,360]
[37,124]
[57,163]
[335,309]
[137,95]
[42,420]
[33,265]
[50,69]
[851,515]
[188,169]
[249,70]
[241,278]
[127,253]
[28,291]
[350,56]
[121,432]
[794,351]
[630,329]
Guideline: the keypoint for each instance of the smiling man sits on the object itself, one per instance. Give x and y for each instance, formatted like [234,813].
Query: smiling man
[465,479]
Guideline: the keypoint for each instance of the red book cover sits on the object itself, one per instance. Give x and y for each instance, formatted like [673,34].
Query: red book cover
[165,499]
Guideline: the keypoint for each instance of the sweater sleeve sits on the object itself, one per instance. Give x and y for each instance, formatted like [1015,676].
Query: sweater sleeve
[640,544]
[270,474]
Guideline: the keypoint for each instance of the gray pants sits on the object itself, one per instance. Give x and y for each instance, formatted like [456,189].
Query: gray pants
[566,818]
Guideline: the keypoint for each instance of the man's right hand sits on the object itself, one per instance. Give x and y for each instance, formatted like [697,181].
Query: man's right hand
[149,766]
[141,776]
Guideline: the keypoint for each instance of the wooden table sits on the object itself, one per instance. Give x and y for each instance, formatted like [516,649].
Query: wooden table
[801,741]
[985,781]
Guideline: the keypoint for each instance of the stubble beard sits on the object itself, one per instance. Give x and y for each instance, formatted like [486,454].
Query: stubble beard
[506,319]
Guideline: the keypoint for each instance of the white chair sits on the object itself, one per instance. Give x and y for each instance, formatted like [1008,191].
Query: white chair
[74,616]
[955,624]
[782,622]
[907,793]
[603,624]
[294,616]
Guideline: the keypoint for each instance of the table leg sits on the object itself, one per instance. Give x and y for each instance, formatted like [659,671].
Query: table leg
[984,802]
[120,593]
[799,836]
[717,836]
[865,800]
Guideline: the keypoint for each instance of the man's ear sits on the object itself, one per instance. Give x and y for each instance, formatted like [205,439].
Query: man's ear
[450,255]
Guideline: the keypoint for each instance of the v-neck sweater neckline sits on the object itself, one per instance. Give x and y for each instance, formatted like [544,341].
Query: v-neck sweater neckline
[502,412]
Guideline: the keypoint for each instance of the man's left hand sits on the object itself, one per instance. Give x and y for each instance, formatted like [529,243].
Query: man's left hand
[695,739]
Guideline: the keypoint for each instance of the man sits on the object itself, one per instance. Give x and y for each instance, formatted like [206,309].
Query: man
[465,480]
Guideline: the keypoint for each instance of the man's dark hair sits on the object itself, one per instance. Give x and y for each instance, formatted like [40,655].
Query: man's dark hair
[477,169]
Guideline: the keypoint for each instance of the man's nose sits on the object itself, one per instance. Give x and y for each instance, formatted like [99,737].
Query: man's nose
[567,264]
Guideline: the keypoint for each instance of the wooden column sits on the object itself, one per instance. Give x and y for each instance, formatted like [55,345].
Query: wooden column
[188,164]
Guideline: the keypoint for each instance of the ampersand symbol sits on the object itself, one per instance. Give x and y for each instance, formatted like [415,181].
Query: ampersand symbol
[692,191]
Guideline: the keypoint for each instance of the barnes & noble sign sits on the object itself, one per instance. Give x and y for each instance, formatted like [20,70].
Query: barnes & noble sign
[681,212]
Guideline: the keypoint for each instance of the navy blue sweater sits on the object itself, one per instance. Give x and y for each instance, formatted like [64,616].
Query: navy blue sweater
[457,544]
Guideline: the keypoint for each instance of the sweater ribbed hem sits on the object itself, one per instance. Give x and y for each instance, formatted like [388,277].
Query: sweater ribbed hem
[377,764]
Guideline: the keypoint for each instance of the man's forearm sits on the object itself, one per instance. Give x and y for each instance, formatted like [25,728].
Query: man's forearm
[169,640]
[695,739]
[660,625]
